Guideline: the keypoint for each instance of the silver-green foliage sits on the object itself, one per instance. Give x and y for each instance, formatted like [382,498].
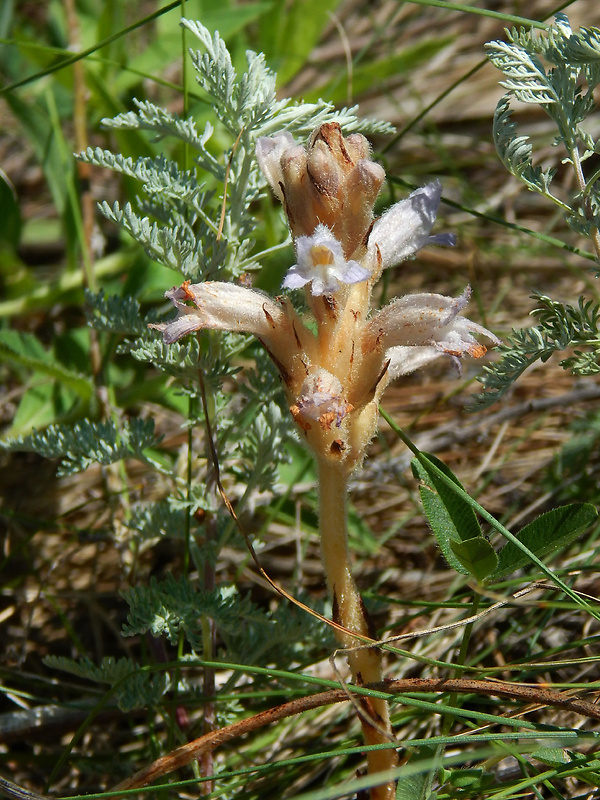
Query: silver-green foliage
[173,606]
[559,70]
[281,637]
[114,314]
[158,521]
[197,219]
[560,327]
[181,224]
[88,442]
[263,448]
[132,688]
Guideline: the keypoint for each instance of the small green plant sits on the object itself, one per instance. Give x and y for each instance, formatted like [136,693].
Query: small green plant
[558,70]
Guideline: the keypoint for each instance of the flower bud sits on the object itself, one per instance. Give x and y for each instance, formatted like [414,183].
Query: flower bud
[269,150]
[333,183]
[321,401]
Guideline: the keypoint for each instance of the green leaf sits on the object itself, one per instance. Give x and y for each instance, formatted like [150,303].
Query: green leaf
[477,555]
[38,128]
[547,533]
[26,350]
[551,756]
[471,779]
[220,17]
[7,10]
[450,517]
[295,28]
[10,219]
[134,688]
[43,403]
[413,787]
[418,785]
[17,279]
[36,410]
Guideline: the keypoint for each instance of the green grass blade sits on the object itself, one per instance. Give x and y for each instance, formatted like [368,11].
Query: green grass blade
[23,349]
[579,600]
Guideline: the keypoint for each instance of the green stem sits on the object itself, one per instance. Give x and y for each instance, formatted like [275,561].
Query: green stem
[462,657]
[349,611]
[45,294]
[184,80]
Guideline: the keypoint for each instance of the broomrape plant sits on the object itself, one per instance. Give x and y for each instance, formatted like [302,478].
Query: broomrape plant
[334,361]
[334,351]
[334,376]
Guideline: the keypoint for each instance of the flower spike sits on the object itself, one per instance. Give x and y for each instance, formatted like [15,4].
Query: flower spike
[334,378]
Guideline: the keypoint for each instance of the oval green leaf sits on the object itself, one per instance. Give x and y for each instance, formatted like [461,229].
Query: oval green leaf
[549,532]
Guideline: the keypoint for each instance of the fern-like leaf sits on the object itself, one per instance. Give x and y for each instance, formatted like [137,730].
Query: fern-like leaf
[561,327]
[162,123]
[159,176]
[177,247]
[515,151]
[524,72]
[132,687]
[157,521]
[172,606]
[113,313]
[263,448]
[565,45]
[87,442]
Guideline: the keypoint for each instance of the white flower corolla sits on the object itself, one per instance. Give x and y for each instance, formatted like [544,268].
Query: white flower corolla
[406,227]
[321,263]
[220,306]
[418,328]
[223,306]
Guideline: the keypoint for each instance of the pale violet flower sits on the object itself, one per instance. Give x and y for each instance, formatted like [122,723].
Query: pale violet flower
[418,328]
[269,150]
[321,263]
[221,306]
[406,227]
[336,366]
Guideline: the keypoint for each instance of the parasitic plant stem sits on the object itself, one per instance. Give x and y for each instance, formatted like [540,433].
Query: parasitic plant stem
[349,611]
[334,377]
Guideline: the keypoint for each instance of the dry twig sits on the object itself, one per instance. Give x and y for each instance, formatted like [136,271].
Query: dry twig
[188,752]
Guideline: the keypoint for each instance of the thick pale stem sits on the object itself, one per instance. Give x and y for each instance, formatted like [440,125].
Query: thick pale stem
[349,611]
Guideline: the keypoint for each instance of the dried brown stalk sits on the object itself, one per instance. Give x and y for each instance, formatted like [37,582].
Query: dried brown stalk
[209,742]
[537,696]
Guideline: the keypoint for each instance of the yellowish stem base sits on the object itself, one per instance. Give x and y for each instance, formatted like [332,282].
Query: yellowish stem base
[349,611]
